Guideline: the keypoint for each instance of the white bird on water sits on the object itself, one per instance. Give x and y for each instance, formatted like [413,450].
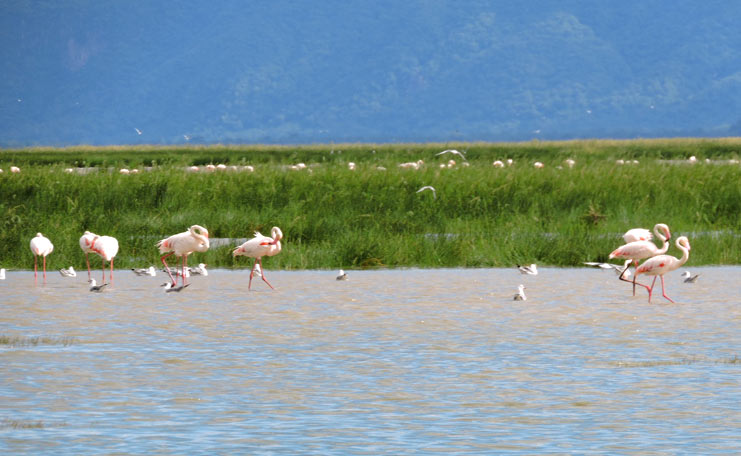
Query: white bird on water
[69,272]
[428,187]
[169,288]
[529,270]
[689,278]
[520,296]
[452,151]
[150,271]
[342,275]
[199,270]
[95,287]
[2,274]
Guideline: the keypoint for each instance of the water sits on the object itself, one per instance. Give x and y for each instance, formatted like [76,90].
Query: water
[388,362]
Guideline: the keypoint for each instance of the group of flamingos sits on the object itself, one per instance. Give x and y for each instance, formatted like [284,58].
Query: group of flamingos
[195,239]
[639,247]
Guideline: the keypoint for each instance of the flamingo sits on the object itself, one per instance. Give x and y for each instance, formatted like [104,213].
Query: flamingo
[86,243]
[661,264]
[40,245]
[641,249]
[258,247]
[107,248]
[637,234]
[182,245]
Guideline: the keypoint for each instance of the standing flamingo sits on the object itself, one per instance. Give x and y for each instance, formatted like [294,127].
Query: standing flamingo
[86,243]
[639,250]
[40,245]
[258,247]
[182,245]
[107,248]
[661,264]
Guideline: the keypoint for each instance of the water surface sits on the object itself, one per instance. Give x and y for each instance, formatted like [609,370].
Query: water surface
[387,362]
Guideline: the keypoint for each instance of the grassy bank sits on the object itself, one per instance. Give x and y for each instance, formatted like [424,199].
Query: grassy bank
[335,217]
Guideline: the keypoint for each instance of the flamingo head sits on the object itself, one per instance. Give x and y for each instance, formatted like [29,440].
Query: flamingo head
[665,230]
[277,234]
[684,242]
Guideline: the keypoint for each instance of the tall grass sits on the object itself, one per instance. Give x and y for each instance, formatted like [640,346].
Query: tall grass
[334,217]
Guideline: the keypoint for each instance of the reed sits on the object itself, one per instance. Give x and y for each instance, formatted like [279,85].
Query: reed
[335,217]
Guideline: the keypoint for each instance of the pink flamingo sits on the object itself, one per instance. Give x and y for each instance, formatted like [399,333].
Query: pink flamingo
[258,247]
[637,234]
[107,248]
[40,245]
[86,243]
[641,249]
[661,264]
[182,245]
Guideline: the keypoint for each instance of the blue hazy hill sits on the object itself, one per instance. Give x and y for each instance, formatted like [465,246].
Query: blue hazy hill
[90,72]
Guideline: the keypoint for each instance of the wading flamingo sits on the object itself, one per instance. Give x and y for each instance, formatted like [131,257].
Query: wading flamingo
[86,243]
[107,248]
[40,245]
[640,250]
[258,247]
[182,245]
[661,264]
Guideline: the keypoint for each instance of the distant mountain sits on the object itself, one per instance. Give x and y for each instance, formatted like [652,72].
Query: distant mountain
[280,71]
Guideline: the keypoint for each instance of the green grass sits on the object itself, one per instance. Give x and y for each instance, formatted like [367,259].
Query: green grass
[333,217]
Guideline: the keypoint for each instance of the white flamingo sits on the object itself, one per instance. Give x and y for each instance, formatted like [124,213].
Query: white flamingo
[662,264]
[86,243]
[40,245]
[182,245]
[258,247]
[107,248]
[640,250]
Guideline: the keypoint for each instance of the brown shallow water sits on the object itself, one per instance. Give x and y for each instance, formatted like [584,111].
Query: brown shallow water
[387,362]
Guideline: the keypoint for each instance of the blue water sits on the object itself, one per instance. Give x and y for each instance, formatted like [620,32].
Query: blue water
[388,362]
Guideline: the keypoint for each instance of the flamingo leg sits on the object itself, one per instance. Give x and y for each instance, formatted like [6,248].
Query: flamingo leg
[663,291]
[167,268]
[650,290]
[631,281]
[103,266]
[185,261]
[87,260]
[35,268]
[263,275]
[44,269]
[111,270]
[252,272]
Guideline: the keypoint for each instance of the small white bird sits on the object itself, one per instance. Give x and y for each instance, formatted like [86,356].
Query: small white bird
[178,272]
[615,267]
[529,270]
[138,132]
[69,272]
[428,187]
[599,265]
[2,274]
[520,296]
[452,151]
[169,288]
[95,287]
[258,270]
[689,278]
[342,275]
[150,271]
[199,270]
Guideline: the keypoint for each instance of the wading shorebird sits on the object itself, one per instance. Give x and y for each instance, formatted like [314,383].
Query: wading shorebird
[258,247]
[182,245]
[641,249]
[659,265]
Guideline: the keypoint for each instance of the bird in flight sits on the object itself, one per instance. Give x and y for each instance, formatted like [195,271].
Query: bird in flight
[428,187]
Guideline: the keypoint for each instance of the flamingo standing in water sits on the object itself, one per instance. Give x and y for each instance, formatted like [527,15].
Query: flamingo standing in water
[258,247]
[641,249]
[86,243]
[107,248]
[661,264]
[40,245]
[182,245]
